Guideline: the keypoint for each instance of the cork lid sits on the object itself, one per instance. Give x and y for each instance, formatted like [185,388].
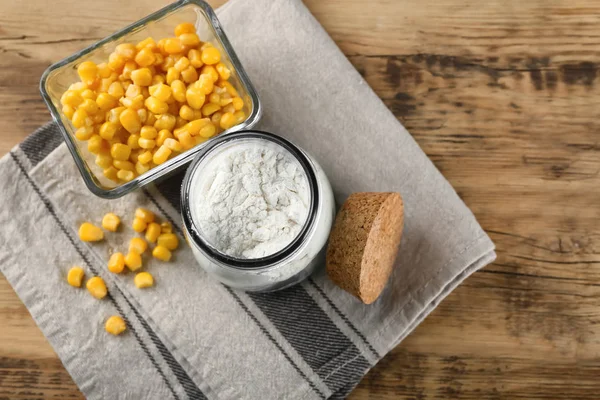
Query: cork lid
[364,242]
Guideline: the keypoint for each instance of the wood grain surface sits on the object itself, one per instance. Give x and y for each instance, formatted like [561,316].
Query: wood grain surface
[504,98]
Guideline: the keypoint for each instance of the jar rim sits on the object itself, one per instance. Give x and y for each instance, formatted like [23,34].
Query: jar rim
[194,232]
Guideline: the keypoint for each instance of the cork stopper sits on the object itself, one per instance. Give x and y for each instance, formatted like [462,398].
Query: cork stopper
[364,242]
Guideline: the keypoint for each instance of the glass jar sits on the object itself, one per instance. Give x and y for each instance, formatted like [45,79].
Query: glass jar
[284,268]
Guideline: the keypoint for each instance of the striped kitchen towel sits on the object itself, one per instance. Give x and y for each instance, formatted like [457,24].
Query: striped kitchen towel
[190,337]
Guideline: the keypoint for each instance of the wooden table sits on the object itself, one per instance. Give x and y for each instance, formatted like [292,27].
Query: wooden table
[504,98]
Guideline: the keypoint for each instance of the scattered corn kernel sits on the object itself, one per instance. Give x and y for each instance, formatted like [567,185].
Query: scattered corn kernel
[166,227]
[161,253]
[89,232]
[96,287]
[138,245]
[143,280]
[116,263]
[133,260]
[144,214]
[152,232]
[111,222]
[115,325]
[139,225]
[168,240]
[75,276]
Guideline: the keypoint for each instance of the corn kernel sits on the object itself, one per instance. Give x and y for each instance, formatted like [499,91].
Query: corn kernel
[214,98]
[146,43]
[114,115]
[161,46]
[229,108]
[143,280]
[89,232]
[128,68]
[145,157]
[147,143]
[130,121]
[71,98]
[210,108]
[139,225]
[115,325]
[198,114]
[75,276]
[194,126]
[116,263]
[184,27]
[110,173]
[152,232]
[105,101]
[80,118]
[180,123]
[84,133]
[195,58]
[133,260]
[96,144]
[238,103]
[172,75]
[240,116]
[111,222]
[120,151]
[104,85]
[156,106]
[189,39]
[124,165]
[141,168]
[148,132]
[133,157]
[163,135]
[98,118]
[87,71]
[227,120]
[138,245]
[195,97]
[207,131]
[88,94]
[166,121]
[133,91]
[96,287]
[126,50]
[103,70]
[229,87]
[206,83]
[224,72]
[182,64]
[186,112]
[161,253]
[156,79]
[161,155]
[108,130]
[189,74]
[116,61]
[211,56]
[173,46]
[168,240]
[166,227]
[178,89]
[142,77]
[144,214]
[143,115]
[186,140]
[125,175]
[151,120]
[161,91]
[68,111]
[145,57]
[216,118]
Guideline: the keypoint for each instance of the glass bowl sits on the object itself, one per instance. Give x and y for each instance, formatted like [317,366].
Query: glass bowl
[58,77]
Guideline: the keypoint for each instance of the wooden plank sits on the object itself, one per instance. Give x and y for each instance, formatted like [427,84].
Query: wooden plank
[502,96]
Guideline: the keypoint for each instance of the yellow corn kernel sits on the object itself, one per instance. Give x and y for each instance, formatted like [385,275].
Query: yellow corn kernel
[156,106]
[104,85]
[214,98]
[172,75]
[145,57]
[207,131]
[89,106]
[147,143]
[211,56]
[210,70]
[143,280]
[146,43]
[161,253]
[128,68]
[142,77]
[180,122]
[173,145]
[206,83]
[68,111]
[78,87]
[132,142]
[130,121]
[133,91]
[166,121]
[96,144]
[160,91]
[194,126]
[115,325]
[133,260]
[144,214]
[151,120]
[104,160]
[160,45]
[105,101]
[223,71]
[120,151]
[116,263]
[124,165]
[229,87]
[75,276]
[96,287]
[240,116]
[111,222]
[195,97]
[103,70]
[88,94]
[166,227]
[145,157]
[227,120]
[71,98]
[133,157]
[229,108]
[141,168]
[126,50]
[186,112]
[186,140]
[108,130]
[178,89]
[84,133]
[80,118]
[189,74]
[163,135]
[216,118]
[148,132]
[143,115]
[182,64]
[161,155]
[138,245]
[189,39]
[226,99]
[195,58]
[110,173]
[116,61]
[87,71]
[210,108]
[156,79]
[174,46]
[139,225]
[152,232]
[169,62]
[198,114]
[238,103]
[125,175]
[168,240]
[114,115]
[184,27]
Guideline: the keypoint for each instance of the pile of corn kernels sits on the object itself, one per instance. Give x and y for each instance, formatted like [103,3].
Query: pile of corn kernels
[151,101]
[144,222]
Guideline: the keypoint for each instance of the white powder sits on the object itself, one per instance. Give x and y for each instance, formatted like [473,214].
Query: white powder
[251,199]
